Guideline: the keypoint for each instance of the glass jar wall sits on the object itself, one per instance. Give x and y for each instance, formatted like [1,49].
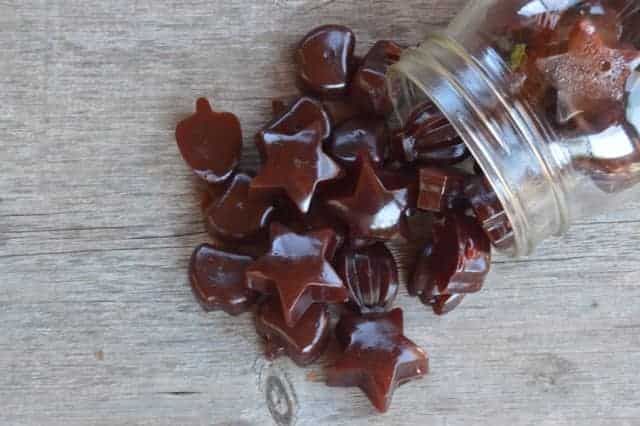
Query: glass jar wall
[546,95]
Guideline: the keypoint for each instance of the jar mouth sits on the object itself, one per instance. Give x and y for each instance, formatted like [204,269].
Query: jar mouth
[509,144]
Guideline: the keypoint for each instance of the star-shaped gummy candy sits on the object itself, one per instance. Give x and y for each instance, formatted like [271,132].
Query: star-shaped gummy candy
[372,212]
[591,77]
[295,164]
[377,356]
[296,268]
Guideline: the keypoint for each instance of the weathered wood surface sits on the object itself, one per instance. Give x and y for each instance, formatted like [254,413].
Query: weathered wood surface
[98,216]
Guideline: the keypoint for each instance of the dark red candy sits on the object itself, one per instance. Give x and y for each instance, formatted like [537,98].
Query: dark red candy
[369,85]
[318,218]
[295,165]
[460,260]
[371,275]
[292,119]
[303,343]
[441,189]
[218,280]
[429,138]
[357,136]
[210,142]
[372,212]
[211,194]
[448,155]
[297,270]
[423,276]
[599,71]
[341,110]
[377,357]
[423,285]
[405,177]
[237,215]
[489,212]
[325,60]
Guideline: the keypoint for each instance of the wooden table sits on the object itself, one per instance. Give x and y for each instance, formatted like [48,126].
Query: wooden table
[98,217]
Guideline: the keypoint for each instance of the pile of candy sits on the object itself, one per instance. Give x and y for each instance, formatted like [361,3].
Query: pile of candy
[576,61]
[303,238]
[579,64]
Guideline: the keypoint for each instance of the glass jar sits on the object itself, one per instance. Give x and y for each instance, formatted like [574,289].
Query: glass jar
[546,96]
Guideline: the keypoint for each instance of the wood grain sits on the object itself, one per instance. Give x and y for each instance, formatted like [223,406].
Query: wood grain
[98,216]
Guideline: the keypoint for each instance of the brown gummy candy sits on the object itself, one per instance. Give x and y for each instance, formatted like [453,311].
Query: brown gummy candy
[369,87]
[341,110]
[459,261]
[316,219]
[441,189]
[297,270]
[376,357]
[236,215]
[429,138]
[290,120]
[325,60]
[218,280]
[489,212]
[303,343]
[210,142]
[423,285]
[356,136]
[371,275]
[422,278]
[372,212]
[590,78]
[296,165]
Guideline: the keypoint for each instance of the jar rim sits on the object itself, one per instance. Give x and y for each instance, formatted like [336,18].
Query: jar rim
[429,69]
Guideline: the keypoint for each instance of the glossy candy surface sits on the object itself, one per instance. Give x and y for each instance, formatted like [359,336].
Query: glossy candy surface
[343,185]
[369,86]
[236,215]
[218,280]
[210,142]
[303,343]
[372,212]
[292,119]
[296,270]
[429,138]
[359,135]
[423,285]
[318,218]
[295,164]
[376,357]
[370,274]
[441,189]
[325,60]
[489,212]
[341,110]
[423,278]
[459,261]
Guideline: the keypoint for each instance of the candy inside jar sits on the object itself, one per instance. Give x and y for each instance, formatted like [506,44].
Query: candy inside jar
[546,97]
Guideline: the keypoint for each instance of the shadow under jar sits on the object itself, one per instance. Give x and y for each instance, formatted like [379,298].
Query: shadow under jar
[546,96]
